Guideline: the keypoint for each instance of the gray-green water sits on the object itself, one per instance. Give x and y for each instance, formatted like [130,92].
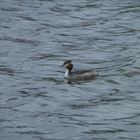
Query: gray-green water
[36,36]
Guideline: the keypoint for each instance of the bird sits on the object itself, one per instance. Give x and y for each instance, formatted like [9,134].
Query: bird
[77,75]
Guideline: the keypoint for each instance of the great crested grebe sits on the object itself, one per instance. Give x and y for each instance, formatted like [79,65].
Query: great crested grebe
[77,75]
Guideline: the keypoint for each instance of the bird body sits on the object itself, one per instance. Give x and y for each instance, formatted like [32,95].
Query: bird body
[77,75]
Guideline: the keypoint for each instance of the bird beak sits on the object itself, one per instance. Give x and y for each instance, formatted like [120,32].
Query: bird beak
[62,65]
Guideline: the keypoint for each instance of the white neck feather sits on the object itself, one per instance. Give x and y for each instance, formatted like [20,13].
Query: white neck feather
[67,73]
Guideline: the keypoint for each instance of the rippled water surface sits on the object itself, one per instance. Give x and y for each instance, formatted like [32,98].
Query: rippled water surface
[36,36]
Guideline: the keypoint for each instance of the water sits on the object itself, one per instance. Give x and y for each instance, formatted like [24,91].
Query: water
[36,36]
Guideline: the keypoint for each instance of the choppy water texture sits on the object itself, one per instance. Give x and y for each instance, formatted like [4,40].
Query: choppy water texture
[36,36]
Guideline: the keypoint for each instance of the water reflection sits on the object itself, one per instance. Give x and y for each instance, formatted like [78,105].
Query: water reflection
[4,70]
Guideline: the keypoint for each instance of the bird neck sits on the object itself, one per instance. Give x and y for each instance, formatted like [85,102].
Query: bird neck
[67,73]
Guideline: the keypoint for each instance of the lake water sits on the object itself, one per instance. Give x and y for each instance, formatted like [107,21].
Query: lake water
[36,36]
